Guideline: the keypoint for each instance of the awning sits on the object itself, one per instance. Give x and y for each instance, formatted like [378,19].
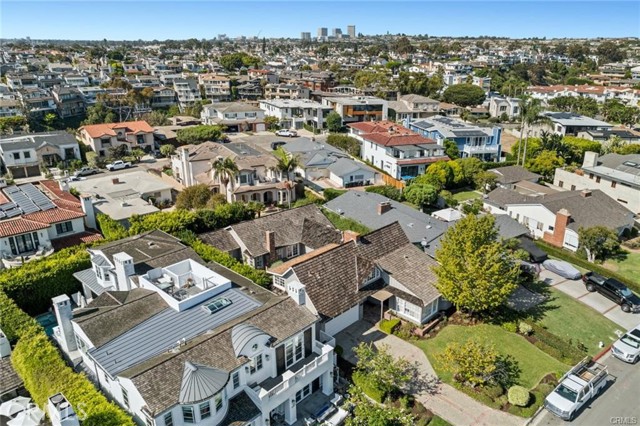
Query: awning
[382,295]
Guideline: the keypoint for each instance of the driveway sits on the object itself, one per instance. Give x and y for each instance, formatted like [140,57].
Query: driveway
[445,401]
[576,289]
[618,404]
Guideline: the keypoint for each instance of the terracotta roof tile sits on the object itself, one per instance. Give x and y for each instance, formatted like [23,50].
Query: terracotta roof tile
[53,216]
[98,130]
[19,226]
[52,189]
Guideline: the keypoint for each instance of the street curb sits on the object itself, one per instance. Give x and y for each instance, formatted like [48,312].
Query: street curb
[602,352]
[532,418]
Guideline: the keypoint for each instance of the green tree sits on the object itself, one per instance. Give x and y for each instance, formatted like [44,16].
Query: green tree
[471,166]
[345,143]
[167,150]
[530,114]
[545,164]
[92,159]
[286,164]
[194,197]
[464,95]
[458,173]
[271,122]
[225,170]
[118,152]
[156,118]
[334,122]
[9,124]
[598,242]
[138,153]
[198,134]
[451,149]
[610,51]
[443,172]
[471,363]
[421,194]
[475,271]
[367,413]
[382,369]
[99,114]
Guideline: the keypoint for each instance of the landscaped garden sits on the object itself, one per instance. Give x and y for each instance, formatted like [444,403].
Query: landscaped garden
[461,196]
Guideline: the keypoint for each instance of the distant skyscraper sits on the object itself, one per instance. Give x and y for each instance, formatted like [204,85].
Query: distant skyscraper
[305,36]
[322,32]
[351,30]
[337,32]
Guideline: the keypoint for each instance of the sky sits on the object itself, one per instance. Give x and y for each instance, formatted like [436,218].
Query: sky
[161,20]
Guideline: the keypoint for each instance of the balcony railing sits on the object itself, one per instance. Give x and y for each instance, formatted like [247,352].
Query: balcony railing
[480,149]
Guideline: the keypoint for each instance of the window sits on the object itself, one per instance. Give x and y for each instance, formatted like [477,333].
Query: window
[551,228]
[590,175]
[168,419]
[293,351]
[303,393]
[256,364]
[539,226]
[98,272]
[292,250]
[597,179]
[375,274]
[26,154]
[16,155]
[573,187]
[125,397]
[205,410]
[409,309]
[613,183]
[560,184]
[187,415]
[278,281]
[244,178]
[236,380]
[148,420]
[64,227]
[218,400]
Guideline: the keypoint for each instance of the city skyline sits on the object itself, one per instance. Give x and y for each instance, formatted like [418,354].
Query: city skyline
[197,19]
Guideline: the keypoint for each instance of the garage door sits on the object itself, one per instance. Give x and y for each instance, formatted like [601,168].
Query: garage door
[33,171]
[17,172]
[342,321]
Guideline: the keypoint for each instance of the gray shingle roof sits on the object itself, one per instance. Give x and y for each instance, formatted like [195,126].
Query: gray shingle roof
[10,379]
[509,227]
[343,166]
[241,411]
[513,174]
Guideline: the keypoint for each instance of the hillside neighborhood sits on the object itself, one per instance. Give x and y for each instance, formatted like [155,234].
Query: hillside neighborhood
[341,229]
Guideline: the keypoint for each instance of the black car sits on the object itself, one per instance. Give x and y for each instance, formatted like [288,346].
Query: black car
[614,290]
[276,144]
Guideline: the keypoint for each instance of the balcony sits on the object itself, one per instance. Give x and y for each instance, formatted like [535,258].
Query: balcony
[481,149]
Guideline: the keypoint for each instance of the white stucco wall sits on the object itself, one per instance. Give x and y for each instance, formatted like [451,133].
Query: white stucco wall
[532,214]
[342,321]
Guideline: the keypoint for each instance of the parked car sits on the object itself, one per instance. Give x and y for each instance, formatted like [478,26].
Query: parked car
[86,171]
[286,133]
[118,165]
[627,347]
[276,144]
[614,290]
[564,269]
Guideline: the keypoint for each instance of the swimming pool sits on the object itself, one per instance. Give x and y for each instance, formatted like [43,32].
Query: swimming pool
[47,321]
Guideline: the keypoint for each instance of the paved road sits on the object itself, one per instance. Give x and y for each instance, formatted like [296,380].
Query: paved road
[618,404]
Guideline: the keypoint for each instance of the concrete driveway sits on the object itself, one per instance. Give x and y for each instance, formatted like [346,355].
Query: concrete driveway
[576,289]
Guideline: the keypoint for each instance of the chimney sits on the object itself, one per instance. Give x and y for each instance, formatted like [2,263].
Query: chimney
[115,181]
[590,159]
[61,413]
[585,193]
[349,235]
[383,207]
[62,308]
[5,346]
[124,269]
[556,238]
[296,291]
[87,208]
[270,245]
[64,185]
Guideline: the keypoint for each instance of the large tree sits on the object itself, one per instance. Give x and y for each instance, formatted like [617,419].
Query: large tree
[451,149]
[194,197]
[382,369]
[471,363]
[421,194]
[225,170]
[598,242]
[198,134]
[464,95]
[475,270]
[334,122]
[545,164]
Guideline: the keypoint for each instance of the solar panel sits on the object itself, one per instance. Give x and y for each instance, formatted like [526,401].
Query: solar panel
[12,213]
[37,197]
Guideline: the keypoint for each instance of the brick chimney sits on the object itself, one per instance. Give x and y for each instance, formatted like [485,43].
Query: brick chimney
[115,181]
[585,193]
[348,235]
[384,207]
[270,245]
[556,238]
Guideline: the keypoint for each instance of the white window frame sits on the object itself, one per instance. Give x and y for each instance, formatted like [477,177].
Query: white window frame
[294,350]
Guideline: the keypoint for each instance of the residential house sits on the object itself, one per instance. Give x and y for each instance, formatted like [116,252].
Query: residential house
[328,166]
[557,217]
[90,94]
[22,155]
[509,176]
[504,105]
[175,342]
[22,81]
[382,267]
[402,153]
[413,107]
[568,124]
[69,102]
[216,87]
[277,237]
[235,116]
[163,97]
[187,91]
[10,108]
[76,80]
[618,176]
[122,195]
[295,113]
[36,100]
[286,91]
[101,137]
[472,140]
[249,91]
[358,108]
[604,135]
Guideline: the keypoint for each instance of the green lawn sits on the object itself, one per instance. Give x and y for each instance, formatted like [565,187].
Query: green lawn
[629,267]
[568,318]
[438,421]
[466,195]
[534,364]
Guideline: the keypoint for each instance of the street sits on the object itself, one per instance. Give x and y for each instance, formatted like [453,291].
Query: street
[617,404]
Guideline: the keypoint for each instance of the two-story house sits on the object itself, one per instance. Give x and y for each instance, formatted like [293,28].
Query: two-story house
[235,116]
[36,100]
[22,155]
[616,175]
[295,113]
[10,108]
[510,107]
[163,97]
[402,153]
[358,108]
[76,80]
[173,342]
[216,87]
[277,237]
[413,107]
[472,141]
[69,102]
[133,134]
[22,81]
[187,91]
[286,91]
[568,124]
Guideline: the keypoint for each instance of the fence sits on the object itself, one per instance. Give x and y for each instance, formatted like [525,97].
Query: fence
[391,181]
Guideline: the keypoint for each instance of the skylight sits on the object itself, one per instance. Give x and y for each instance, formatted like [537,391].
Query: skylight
[217,305]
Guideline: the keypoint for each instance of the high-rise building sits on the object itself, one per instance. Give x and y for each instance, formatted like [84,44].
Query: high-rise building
[305,36]
[337,32]
[323,32]
[351,30]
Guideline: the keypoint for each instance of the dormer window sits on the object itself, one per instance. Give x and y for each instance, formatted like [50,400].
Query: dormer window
[374,275]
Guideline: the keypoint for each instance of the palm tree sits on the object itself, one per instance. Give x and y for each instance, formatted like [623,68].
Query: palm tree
[286,164]
[530,114]
[225,170]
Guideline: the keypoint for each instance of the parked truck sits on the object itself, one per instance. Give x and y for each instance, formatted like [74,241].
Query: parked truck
[118,165]
[582,383]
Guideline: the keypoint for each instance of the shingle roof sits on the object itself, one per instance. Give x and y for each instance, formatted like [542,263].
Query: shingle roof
[513,174]
[241,411]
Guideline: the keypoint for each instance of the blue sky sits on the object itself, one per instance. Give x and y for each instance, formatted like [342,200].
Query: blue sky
[148,20]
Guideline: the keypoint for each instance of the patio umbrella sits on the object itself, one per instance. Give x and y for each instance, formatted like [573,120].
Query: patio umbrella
[30,417]
[14,406]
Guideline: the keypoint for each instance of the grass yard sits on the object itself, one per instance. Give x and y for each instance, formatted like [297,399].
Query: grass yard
[466,195]
[568,318]
[629,267]
[533,363]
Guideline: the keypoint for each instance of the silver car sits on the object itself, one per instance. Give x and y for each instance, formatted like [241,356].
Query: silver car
[627,347]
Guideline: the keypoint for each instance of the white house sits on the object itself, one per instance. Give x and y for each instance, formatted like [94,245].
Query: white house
[181,344]
[102,137]
[568,123]
[22,155]
[509,106]
[235,116]
[295,113]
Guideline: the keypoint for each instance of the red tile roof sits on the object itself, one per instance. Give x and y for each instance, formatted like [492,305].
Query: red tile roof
[98,130]
[19,226]
[53,216]
[75,239]
[388,133]
[53,191]
[68,205]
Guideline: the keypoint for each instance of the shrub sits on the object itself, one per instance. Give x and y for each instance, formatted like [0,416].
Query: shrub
[524,328]
[555,346]
[110,228]
[364,383]
[14,322]
[387,191]
[389,326]
[339,350]
[330,193]
[518,396]
[510,326]
[344,223]
[345,143]
[494,390]
[405,331]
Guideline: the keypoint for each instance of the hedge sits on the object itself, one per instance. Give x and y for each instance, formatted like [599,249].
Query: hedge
[212,254]
[555,346]
[34,284]
[111,229]
[362,381]
[330,193]
[344,223]
[388,326]
[387,191]
[584,263]
[491,165]
[13,321]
